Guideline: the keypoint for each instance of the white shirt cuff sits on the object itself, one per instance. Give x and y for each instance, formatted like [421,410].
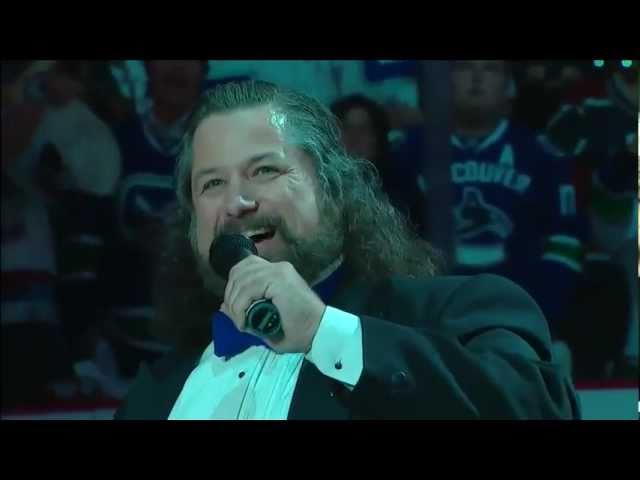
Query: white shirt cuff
[337,347]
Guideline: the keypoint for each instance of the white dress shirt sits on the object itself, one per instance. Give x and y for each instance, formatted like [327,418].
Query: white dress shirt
[258,384]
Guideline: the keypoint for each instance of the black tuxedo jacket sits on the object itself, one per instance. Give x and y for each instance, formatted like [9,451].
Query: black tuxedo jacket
[433,348]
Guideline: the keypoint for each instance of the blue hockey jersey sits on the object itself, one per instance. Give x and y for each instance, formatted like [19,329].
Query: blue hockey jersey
[514,212]
[599,132]
[143,198]
[147,181]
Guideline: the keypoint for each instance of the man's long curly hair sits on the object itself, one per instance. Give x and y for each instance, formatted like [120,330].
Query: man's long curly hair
[377,240]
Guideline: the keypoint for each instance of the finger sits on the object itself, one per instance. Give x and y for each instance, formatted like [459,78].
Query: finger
[239,267]
[239,279]
[260,280]
[249,290]
[240,270]
[235,274]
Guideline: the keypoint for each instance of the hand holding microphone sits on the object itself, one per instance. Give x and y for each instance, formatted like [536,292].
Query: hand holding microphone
[261,316]
[268,299]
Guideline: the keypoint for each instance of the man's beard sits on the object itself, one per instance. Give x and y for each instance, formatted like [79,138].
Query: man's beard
[309,255]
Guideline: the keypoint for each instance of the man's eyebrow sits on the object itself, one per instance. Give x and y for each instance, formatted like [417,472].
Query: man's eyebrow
[261,156]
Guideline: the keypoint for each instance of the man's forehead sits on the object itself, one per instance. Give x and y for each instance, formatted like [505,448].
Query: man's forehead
[238,135]
[262,121]
[259,115]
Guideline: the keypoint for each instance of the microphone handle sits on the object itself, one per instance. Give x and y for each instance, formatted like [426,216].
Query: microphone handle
[263,317]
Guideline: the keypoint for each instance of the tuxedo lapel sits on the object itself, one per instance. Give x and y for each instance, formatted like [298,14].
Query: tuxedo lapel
[316,397]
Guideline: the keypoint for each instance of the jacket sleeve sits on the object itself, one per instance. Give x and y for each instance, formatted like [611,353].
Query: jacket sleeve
[553,279]
[485,354]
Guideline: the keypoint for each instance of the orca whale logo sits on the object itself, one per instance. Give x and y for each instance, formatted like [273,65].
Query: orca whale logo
[474,216]
[144,198]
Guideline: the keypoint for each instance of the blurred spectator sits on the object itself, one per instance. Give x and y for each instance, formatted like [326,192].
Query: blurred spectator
[66,162]
[34,350]
[29,315]
[43,110]
[365,132]
[20,116]
[393,83]
[592,84]
[542,87]
[514,207]
[93,83]
[149,143]
[602,134]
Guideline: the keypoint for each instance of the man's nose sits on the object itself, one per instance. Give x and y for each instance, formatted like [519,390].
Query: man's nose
[239,204]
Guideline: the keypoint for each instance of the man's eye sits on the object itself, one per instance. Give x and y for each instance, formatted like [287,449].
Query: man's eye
[214,182]
[266,170]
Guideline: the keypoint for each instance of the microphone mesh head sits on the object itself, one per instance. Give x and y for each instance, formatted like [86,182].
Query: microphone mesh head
[229,249]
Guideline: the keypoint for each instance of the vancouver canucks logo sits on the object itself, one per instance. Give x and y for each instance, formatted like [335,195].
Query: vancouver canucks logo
[474,216]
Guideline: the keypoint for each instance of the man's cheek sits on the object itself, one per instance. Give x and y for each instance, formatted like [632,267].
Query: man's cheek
[204,237]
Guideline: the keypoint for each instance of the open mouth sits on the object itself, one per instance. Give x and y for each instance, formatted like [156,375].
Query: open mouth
[261,235]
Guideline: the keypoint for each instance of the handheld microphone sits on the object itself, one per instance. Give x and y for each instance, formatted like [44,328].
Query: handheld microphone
[262,316]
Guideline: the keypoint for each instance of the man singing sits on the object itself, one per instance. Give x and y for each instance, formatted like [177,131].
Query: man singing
[369,331]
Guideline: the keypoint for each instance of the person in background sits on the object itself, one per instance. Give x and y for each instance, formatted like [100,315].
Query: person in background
[514,204]
[92,82]
[35,350]
[542,87]
[365,132]
[149,143]
[71,164]
[602,133]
